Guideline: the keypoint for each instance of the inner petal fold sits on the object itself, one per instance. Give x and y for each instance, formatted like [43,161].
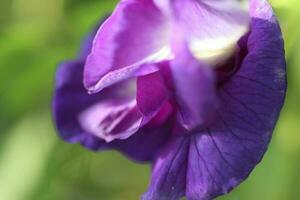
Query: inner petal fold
[112,120]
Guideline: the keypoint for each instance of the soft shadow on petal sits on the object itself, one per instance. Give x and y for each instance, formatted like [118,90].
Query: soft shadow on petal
[112,119]
[152,93]
[195,91]
[147,142]
[136,33]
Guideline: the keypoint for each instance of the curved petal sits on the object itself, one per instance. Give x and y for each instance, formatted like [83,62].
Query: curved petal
[250,106]
[87,43]
[212,28]
[195,90]
[152,93]
[214,161]
[136,33]
[108,115]
[69,87]
[112,119]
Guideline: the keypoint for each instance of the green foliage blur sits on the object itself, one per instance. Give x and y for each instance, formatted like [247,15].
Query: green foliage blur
[36,35]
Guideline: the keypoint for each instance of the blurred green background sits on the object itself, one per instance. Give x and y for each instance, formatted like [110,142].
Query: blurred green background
[35,35]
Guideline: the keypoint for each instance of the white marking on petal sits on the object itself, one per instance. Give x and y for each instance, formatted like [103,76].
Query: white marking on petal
[164,53]
[215,50]
[213,27]
[102,118]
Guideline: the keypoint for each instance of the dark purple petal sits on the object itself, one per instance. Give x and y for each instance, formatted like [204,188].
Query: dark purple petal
[136,33]
[221,157]
[213,161]
[70,99]
[147,142]
[250,106]
[169,171]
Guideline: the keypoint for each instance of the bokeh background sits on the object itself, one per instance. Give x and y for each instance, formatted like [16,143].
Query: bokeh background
[36,35]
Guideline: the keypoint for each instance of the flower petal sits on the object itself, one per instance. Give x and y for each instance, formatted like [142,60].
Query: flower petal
[110,119]
[142,146]
[147,142]
[71,100]
[136,33]
[87,43]
[252,101]
[151,93]
[75,109]
[212,27]
[168,180]
[214,161]
[69,87]
[195,90]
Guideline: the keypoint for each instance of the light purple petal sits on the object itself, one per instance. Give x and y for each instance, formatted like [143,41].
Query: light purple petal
[87,43]
[218,18]
[112,119]
[136,33]
[195,90]
[211,27]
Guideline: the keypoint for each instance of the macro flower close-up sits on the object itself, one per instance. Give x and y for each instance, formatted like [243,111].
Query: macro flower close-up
[194,87]
[149,100]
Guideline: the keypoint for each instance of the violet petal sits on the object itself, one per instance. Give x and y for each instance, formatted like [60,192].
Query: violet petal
[195,90]
[151,93]
[71,99]
[212,162]
[211,27]
[169,171]
[136,33]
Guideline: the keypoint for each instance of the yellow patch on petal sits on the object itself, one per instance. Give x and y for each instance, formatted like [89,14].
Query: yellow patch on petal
[218,42]
[216,50]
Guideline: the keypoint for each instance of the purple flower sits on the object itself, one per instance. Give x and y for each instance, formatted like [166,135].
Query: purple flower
[193,86]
